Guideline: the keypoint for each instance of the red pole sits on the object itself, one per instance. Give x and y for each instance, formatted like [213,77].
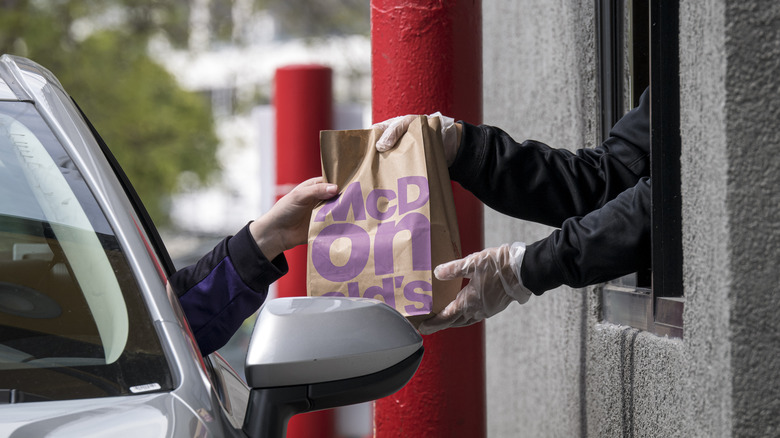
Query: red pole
[427,57]
[304,106]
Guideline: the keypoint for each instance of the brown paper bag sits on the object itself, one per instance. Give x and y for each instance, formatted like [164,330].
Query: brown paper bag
[391,224]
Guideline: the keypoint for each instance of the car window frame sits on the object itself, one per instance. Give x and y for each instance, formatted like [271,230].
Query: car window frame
[146,222]
[230,389]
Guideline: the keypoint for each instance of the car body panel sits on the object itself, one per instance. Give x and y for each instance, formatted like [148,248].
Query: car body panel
[152,416]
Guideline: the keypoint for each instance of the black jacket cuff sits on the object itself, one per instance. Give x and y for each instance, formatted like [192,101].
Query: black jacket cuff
[250,263]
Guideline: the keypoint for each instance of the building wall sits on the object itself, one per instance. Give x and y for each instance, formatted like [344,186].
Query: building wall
[749,104]
[555,370]
[539,81]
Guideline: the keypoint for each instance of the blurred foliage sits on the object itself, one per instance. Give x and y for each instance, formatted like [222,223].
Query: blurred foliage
[314,18]
[98,50]
[155,129]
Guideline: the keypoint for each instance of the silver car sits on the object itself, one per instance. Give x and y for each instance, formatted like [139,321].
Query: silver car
[90,342]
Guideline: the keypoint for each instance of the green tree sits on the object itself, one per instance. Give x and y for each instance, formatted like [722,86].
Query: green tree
[161,130]
[156,129]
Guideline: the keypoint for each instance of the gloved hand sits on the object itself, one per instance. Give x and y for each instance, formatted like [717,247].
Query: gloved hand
[396,127]
[495,283]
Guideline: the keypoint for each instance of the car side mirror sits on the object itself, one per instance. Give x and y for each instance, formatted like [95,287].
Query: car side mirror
[308,354]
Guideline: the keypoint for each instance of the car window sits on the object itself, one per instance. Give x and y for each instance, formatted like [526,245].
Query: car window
[72,321]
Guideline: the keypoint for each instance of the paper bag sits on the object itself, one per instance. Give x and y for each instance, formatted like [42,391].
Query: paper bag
[392,223]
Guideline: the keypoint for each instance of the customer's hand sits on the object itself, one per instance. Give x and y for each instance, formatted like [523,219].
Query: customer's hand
[287,223]
[495,282]
[396,127]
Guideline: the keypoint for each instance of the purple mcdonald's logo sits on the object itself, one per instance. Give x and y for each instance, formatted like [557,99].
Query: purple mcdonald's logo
[381,205]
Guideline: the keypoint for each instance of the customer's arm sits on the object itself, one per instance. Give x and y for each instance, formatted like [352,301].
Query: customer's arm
[229,284]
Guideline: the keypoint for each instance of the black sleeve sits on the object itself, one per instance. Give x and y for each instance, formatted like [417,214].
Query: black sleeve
[607,243]
[535,182]
[600,198]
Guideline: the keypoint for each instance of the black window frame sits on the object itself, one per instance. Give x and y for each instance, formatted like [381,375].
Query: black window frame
[652,301]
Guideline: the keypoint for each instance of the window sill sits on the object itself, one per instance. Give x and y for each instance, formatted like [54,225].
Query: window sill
[633,306]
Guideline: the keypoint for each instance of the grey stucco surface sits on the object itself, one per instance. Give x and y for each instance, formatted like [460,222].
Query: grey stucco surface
[555,370]
[533,88]
[634,383]
[707,277]
[753,203]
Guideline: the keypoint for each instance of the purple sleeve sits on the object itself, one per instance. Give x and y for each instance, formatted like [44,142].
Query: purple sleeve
[224,287]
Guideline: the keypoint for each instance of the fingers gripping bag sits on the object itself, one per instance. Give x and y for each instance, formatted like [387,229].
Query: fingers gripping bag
[391,224]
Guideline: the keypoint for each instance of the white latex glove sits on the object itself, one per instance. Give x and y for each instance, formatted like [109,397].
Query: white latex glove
[396,127]
[495,283]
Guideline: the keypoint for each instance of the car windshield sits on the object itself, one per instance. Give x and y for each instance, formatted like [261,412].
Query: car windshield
[73,323]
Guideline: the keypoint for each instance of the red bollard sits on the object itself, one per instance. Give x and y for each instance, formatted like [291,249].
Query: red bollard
[427,57]
[303,99]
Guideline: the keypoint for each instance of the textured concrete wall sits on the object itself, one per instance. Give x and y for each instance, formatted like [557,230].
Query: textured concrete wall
[707,277]
[752,149]
[538,82]
[553,369]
